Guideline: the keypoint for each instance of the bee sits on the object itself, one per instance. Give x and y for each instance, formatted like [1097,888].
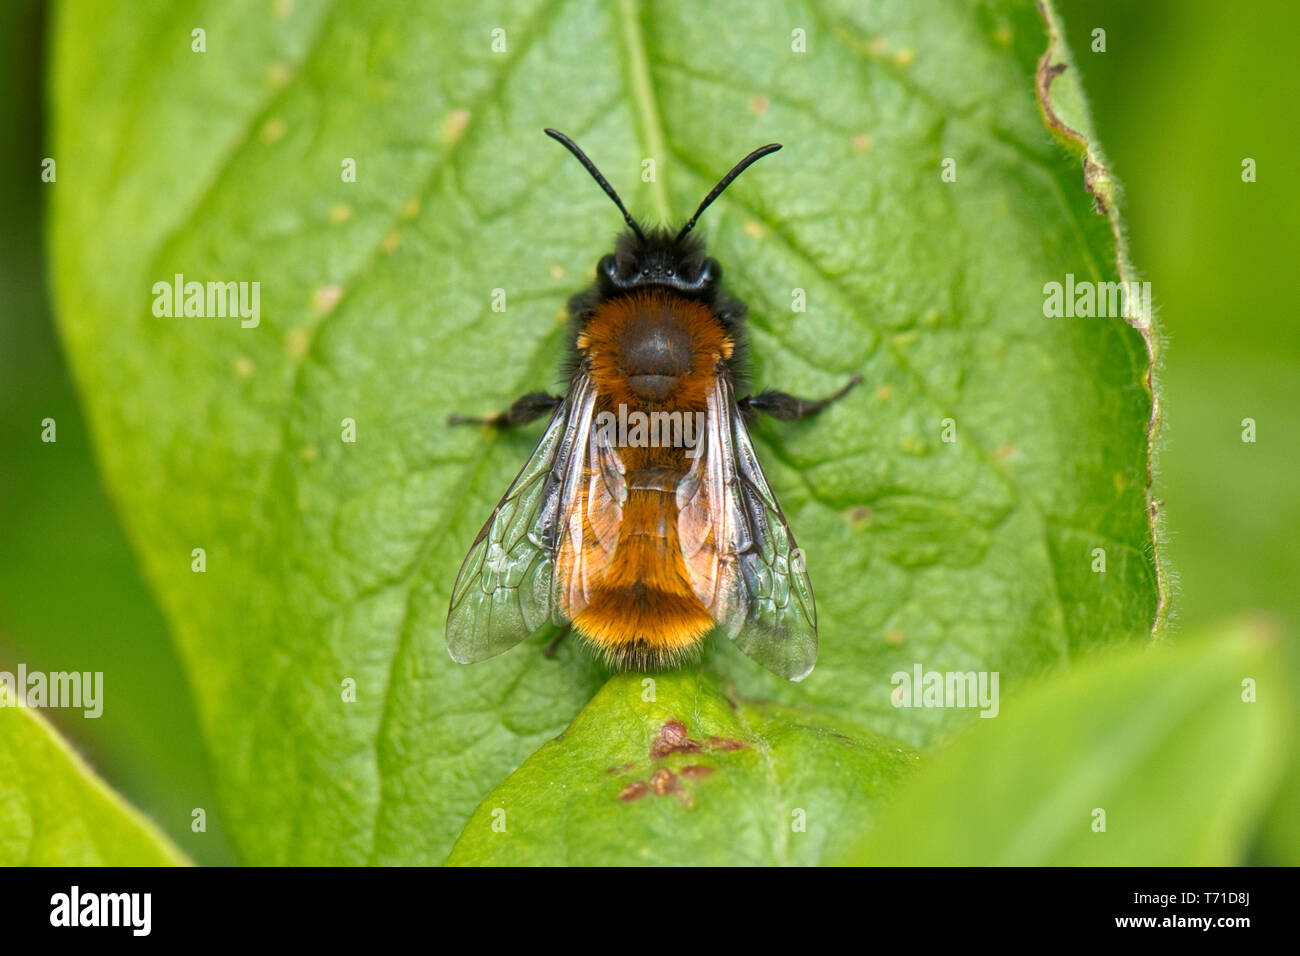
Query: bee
[640,547]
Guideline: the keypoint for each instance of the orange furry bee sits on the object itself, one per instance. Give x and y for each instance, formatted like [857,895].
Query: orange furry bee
[643,545]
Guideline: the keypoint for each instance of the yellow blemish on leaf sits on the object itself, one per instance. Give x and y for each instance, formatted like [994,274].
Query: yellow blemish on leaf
[862,142]
[904,338]
[325,298]
[455,124]
[904,57]
[755,229]
[309,453]
[297,342]
[557,272]
[411,208]
[278,75]
[894,636]
[340,212]
[244,367]
[760,103]
[390,242]
[273,130]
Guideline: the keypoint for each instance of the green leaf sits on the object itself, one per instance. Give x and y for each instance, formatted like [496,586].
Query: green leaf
[54,810]
[1160,739]
[1279,837]
[690,776]
[59,529]
[330,561]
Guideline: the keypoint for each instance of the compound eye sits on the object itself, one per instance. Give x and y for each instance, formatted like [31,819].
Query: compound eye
[608,266]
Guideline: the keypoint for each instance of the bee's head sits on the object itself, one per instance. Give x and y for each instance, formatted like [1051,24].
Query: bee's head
[657,257]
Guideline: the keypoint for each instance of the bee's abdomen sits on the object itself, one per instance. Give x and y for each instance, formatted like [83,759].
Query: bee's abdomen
[642,612]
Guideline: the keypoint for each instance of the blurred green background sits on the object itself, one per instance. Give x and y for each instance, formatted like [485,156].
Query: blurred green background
[71,594]
[1182,94]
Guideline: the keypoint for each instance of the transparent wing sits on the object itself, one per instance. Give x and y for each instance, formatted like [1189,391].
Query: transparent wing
[590,510]
[741,558]
[507,586]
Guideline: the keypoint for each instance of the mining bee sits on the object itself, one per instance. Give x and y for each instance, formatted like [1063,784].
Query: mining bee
[644,546]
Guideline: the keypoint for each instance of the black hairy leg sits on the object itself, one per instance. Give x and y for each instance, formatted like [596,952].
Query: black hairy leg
[787,408]
[526,409]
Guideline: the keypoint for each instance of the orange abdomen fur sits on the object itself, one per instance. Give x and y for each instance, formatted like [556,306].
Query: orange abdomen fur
[641,610]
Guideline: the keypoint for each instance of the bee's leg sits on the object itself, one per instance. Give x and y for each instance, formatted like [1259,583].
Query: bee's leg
[532,406]
[554,645]
[787,408]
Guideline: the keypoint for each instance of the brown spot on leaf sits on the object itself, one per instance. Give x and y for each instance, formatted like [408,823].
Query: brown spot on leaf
[858,517]
[696,771]
[663,781]
[634,791]
[726,743]
[673,739]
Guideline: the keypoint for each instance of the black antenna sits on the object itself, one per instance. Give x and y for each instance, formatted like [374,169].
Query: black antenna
[736,170]
[587,164]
